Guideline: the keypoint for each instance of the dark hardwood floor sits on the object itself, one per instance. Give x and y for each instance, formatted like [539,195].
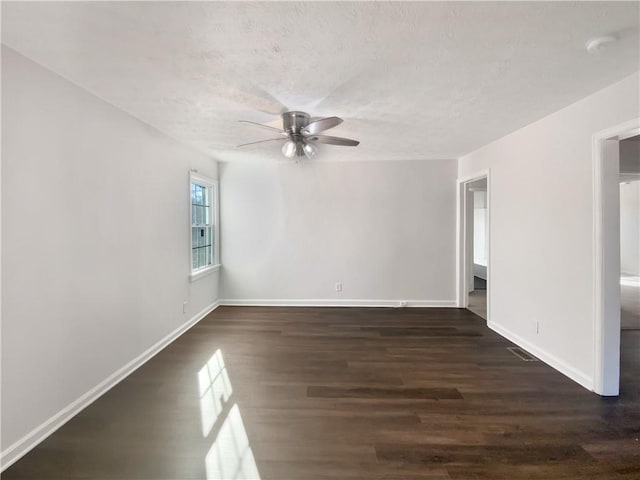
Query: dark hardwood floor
[347,393]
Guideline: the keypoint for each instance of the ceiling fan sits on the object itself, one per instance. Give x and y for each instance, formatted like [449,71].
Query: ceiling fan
[301,134]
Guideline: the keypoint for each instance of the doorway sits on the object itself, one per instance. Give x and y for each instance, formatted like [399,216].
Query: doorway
[616,266]
[474,241]
[629,157]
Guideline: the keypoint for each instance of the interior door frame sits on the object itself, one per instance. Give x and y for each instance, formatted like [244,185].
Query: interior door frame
[606,259]
[462,299]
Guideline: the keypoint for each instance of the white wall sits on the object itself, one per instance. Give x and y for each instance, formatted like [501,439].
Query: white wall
[542,231]
[95,237]
[630,228]
[386,230]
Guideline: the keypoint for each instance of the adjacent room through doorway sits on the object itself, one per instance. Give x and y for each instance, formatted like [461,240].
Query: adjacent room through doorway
[477,245]
[630,233]
[629,264]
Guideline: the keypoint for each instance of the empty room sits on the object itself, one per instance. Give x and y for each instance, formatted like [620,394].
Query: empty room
[320,240]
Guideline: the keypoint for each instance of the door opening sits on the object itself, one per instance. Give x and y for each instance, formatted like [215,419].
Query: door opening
[629,157]
[616,167]
[473,272]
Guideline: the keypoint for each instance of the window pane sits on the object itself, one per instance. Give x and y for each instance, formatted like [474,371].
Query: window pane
[209,237]
[194,237]
[202,229]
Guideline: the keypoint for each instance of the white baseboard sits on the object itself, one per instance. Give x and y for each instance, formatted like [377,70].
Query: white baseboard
[20,448]
[576,375]
[630,274]
[332,302]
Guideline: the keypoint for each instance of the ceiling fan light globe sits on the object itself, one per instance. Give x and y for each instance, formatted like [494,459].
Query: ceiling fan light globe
[289,149]
[310,149]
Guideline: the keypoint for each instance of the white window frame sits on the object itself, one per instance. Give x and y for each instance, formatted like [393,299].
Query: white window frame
[212,185]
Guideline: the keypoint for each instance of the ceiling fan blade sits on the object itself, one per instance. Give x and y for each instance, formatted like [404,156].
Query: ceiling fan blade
[262,141]
[322,125]
[345,142]
[263,126]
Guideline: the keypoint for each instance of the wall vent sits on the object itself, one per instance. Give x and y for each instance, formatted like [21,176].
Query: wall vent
[522,355]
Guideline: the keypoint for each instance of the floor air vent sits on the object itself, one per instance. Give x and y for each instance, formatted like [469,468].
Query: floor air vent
[522,355]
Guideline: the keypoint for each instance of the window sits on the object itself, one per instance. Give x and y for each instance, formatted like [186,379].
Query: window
[203,224]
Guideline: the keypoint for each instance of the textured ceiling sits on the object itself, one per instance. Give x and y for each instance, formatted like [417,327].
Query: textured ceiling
[412,80]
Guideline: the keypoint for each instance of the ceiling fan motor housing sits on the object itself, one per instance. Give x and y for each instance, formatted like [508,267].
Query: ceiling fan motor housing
[294,122]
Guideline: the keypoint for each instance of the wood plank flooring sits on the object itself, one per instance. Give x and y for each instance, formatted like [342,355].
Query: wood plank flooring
[347,393]
[478,303]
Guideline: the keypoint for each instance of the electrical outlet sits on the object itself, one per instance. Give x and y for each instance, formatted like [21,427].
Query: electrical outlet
[338,286]
[184,307]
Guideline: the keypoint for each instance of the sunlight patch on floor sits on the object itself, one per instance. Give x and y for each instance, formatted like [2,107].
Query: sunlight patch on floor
[230,456]
[215,390]
[630,281]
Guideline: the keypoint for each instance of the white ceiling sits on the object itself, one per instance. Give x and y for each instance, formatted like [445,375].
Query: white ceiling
[412,80]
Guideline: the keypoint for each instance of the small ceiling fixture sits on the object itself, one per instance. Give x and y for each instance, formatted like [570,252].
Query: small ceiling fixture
[301,134]
[599,43]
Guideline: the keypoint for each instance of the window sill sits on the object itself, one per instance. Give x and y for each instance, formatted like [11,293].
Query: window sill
[205,272]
